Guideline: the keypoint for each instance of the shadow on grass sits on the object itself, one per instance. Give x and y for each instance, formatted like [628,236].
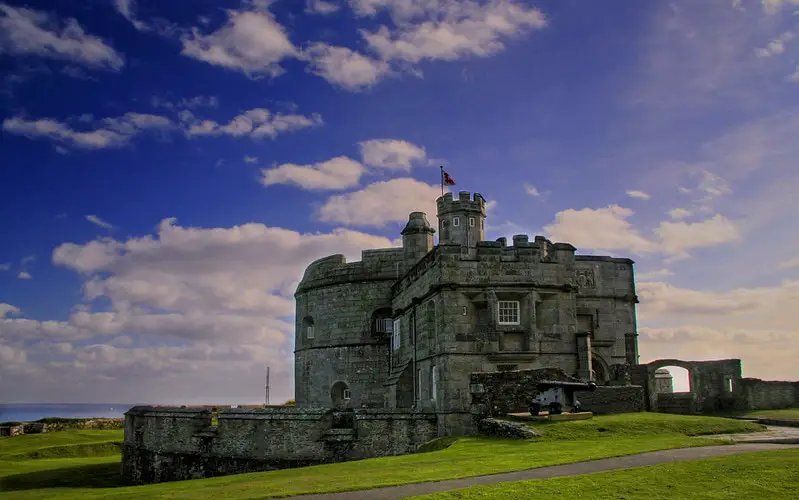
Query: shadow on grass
[85,476]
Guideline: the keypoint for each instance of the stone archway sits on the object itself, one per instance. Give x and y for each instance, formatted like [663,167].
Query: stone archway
[340,394]
[600,372]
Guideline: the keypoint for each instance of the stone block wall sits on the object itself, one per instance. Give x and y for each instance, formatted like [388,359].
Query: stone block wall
[681,403]
[607,400]
[167,444]
[768,395]
[499,393]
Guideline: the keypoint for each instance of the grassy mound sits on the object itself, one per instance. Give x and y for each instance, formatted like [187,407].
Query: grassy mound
[767,474]
[60,444]
[642,424]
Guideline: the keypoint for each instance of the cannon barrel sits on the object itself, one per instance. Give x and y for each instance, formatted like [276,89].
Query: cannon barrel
[575,386]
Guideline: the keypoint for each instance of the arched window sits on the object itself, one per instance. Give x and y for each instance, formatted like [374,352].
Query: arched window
[308,327]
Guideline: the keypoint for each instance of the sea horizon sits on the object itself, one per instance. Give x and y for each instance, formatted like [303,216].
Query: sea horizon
[29,412]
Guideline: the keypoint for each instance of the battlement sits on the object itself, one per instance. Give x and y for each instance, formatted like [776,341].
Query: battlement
[466,201]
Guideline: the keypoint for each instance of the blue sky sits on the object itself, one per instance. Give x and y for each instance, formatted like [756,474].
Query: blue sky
[168,170]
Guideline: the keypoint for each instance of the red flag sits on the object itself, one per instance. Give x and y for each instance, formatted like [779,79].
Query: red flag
[448,180]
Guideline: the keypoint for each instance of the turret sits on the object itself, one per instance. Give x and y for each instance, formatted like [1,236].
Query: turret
[417,237]
[461,221]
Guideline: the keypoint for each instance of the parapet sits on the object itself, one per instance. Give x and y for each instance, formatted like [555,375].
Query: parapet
[466,201]
[375,265]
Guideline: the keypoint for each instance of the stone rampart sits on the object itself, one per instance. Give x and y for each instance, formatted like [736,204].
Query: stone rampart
[168,444]
[605,400]
[768,395]
[495,394]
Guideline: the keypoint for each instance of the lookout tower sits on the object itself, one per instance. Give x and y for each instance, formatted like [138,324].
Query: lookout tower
[461,221]
[417,237]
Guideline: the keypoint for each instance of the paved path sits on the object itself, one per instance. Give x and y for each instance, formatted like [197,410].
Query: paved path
[772,434]
[606,464]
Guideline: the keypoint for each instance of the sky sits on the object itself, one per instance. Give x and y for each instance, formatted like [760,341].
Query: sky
[169,168]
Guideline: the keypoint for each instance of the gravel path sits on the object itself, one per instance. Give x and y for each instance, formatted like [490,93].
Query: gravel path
[606,464]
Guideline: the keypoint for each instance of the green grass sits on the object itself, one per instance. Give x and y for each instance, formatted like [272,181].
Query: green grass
[561,442]
[768,474]
[786,414]
[46,445]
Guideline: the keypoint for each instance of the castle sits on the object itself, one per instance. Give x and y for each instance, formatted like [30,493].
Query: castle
[405,327]
[424,341]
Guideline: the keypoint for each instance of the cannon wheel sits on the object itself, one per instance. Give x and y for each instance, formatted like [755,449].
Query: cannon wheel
[535,409]
[555,409]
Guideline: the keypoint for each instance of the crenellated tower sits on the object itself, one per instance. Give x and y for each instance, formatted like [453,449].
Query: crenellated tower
[461,221]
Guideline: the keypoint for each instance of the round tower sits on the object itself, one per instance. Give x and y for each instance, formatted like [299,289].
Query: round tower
[461,221]
[417,237]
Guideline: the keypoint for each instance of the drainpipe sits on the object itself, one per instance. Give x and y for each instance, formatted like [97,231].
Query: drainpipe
[415,374]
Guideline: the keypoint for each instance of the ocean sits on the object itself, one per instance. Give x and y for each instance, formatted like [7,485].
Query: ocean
[27,412]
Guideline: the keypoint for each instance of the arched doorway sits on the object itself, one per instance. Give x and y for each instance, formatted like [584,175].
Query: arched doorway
[672,386]
[340,394]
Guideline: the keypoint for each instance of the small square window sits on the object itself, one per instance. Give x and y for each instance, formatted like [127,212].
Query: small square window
[456,221]
[508,312]
[309,333]
[471,221]
[384,325]
[347,394]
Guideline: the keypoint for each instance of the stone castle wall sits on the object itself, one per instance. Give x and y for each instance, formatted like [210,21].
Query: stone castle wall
[768,395]
[496,394]
[168,444]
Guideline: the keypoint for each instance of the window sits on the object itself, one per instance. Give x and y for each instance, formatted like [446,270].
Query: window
[347,394]
[395,334]
[384,325]
[433,382]
[456,221]
[508,312]
[419,384]
[471,221]
[308,326]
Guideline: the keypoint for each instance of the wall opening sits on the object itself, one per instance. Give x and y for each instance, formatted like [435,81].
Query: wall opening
[340,394]
[672,379]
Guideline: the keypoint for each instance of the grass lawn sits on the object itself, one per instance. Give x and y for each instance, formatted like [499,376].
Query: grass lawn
[561,442]
[767,474]
[786,414]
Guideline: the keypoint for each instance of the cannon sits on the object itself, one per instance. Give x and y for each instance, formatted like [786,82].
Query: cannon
[556,396]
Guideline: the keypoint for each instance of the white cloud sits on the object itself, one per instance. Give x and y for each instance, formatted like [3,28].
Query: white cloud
[391,153]
[24,275]
[105,133]
[651,275]
[745,323]
[380,203]
[337,173]
[186,102]
[775,6]
[789,263]
[322,7]
[7,310]
[5,266]
[250,159]
[32,32]
[607,229]
[251,41]
[677,237]
[776,46]
[344,67]
[638,194]
[531,190]
[256,123]
[602,229]
[127,8]
[447,29]
[423,30]
[99,222]
[679,213]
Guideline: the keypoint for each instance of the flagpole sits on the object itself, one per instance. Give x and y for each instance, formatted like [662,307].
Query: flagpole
[442,180]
